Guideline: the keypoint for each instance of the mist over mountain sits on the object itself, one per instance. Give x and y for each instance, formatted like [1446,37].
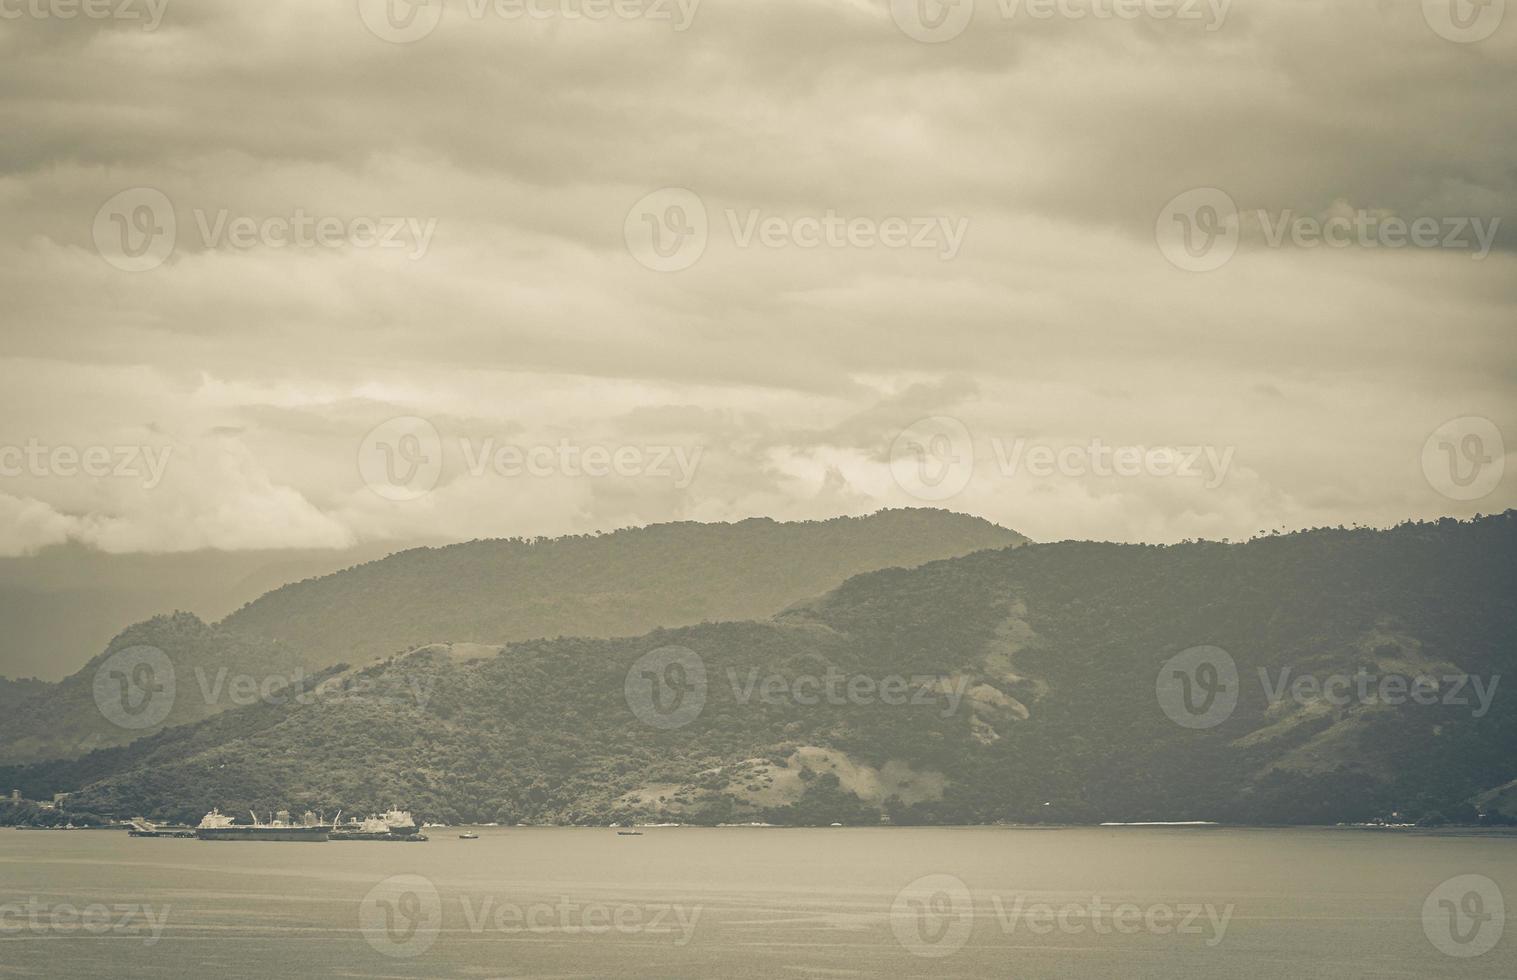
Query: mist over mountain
[64,604]
[492,592]
[1022,684]
[618,584]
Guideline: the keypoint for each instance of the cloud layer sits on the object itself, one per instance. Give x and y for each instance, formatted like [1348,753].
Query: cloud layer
[450,230]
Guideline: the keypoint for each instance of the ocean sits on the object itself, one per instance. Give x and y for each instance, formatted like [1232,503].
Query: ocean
[1108,902]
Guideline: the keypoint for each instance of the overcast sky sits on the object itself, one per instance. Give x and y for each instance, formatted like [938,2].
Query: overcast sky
[793,258]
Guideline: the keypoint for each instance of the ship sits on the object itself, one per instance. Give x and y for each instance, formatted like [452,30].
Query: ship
[400,822]
[393,825]
[218,826]
[143,828]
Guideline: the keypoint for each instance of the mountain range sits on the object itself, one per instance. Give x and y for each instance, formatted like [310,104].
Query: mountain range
[1067,682]
[491,592]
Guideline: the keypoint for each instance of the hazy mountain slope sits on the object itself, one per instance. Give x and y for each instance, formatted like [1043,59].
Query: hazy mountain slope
[1054,651]
[618,584]
[63,605]
[75,715]
[622,583]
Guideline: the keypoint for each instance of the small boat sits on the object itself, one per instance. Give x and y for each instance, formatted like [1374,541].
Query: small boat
[837,825]
[468,835]
[629,833]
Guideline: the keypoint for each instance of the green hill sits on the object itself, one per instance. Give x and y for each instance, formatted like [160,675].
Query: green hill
[618,584]
[1027,692]
[623,583]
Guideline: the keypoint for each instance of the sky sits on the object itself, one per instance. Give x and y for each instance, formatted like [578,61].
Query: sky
[296,275]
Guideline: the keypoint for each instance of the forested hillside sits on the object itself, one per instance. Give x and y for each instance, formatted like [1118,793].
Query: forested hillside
[491,592]
[1028,691]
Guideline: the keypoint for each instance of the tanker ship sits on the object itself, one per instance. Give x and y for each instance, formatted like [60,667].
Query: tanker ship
[396,824]
[218,826]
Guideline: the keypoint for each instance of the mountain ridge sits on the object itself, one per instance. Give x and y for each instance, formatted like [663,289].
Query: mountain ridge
[1028,680]
[488,591]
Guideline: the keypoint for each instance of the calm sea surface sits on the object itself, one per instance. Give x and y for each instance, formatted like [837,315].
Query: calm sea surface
[739,903]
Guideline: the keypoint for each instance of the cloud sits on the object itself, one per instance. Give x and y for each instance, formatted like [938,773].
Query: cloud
[525,319]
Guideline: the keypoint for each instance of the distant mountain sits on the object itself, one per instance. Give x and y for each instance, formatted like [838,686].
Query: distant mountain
[195,671]
[1031,684]
[63,605]
[623,583]
[618,584]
